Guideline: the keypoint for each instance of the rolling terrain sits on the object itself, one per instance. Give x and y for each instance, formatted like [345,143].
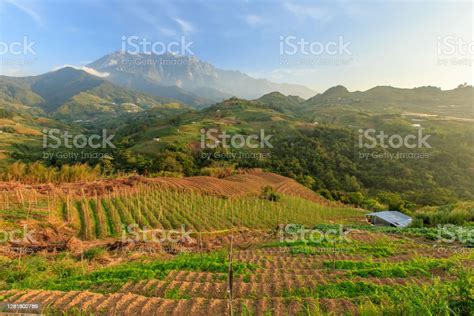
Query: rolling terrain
[163,224]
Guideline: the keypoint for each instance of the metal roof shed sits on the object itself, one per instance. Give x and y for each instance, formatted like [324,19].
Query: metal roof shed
[389,218]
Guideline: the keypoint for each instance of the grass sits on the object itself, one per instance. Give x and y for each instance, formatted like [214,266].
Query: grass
[298,247]
[444,286]
[359,281]
[449,232]
[175,294]
[439,298]
[64,273]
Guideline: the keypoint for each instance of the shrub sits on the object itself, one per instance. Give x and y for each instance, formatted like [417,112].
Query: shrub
[36,172]
[93,253]
[269,193]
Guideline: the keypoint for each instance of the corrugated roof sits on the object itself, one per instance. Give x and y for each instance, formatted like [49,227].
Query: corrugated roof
[393,217]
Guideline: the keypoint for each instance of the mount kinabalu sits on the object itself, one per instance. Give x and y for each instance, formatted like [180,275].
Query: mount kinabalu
[186,78]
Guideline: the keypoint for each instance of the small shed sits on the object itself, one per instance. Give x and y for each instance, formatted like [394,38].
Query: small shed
[389,218]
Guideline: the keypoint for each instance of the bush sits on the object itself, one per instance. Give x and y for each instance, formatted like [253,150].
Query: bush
[217,172]
[36,172]
[457,214]
[269,193]
[93,253]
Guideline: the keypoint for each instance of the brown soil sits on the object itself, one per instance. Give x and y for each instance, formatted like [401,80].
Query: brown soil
[249,183]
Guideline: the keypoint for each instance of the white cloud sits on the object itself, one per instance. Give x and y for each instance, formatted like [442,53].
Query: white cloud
[29,11]
[153,21]
[95,72]
[186,27]
[86,69]
[167,32]
[314,12]
[254,20]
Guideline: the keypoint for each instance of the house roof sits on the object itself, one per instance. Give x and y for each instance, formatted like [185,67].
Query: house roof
[393,217]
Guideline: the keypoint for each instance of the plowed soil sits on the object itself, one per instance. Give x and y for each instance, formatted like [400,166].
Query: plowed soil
[246,184]
[265,291]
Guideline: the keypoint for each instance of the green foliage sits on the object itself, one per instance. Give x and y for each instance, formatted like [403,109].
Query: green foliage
[455,213]
[324,156]
[269,193]
[175,294]
[94,253]
[440,298]
[65,274]
[38,173]
[218,172]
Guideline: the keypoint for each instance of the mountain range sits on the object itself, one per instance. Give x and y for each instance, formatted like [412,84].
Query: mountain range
[314,140]
[123,83]
[186,78]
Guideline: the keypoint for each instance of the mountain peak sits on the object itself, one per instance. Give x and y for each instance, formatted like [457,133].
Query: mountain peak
[67,70]
[274,94]
[336,91]
[151,73]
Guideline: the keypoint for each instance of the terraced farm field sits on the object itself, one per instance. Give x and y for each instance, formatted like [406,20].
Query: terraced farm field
[102,209]
[395,275]
[238,253]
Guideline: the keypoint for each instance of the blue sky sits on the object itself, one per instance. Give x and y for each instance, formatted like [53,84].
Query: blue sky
[403,44]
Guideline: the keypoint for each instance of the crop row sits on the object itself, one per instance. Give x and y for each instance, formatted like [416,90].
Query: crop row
[169,209]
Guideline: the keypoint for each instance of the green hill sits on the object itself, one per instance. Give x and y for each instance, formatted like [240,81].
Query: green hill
[74,94]
[384,99]
[281,103]
[316,141]
[325,156]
